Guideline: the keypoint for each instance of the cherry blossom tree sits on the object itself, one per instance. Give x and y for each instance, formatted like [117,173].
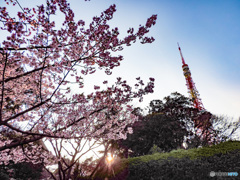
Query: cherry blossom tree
[39,62]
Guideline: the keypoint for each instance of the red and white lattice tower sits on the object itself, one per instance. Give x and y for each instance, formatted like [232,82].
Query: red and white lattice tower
[202,122]
[197,102]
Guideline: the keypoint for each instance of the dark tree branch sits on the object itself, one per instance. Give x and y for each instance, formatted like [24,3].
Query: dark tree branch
[3,75]
[20,143]
[38,136]
[27,110]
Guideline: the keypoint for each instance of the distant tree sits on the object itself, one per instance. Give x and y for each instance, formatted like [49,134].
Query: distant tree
[171,122]
[197,123]
[218,128]
[155,129]
[226,128]
[165,126]
[176,105]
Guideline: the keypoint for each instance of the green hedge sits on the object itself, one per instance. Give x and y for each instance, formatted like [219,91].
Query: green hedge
[182,164]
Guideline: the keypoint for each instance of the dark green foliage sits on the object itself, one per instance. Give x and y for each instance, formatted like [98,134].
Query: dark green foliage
[163,126]
[186,164]
[175,105]
[21,171]
[157,129]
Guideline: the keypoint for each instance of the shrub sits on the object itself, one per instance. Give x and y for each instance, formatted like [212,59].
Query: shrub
[186,164]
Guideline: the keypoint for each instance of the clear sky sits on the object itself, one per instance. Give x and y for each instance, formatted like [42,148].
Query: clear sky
[209,35]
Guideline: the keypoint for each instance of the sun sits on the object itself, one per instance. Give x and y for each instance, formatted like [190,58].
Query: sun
[109,158]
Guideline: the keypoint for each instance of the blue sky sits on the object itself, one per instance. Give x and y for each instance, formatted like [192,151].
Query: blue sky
[208,33]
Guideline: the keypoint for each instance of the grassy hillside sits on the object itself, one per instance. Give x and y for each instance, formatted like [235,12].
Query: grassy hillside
[196,163]
[194,153]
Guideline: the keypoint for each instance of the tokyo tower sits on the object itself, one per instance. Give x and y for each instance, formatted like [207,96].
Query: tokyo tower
[191,85]
[202,121]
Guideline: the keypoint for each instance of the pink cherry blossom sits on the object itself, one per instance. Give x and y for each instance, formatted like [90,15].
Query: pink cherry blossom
[38,65]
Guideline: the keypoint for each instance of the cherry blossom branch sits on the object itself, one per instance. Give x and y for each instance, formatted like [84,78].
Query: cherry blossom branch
[80,119]
[37,47]
[32,133]
[100,161]
[20,143]
[38,136]
[59,116]
[35,70]
[24,74]
[41,74]
[27,110]
[3,76]
[74,160]
[50,173]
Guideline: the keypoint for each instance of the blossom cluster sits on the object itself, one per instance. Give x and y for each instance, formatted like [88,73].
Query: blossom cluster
[38,65]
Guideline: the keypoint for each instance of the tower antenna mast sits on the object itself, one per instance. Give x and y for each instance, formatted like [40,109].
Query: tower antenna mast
[195,96]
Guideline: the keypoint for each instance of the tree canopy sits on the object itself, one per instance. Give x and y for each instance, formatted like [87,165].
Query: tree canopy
[165,126]
[171,122]
[39,62]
